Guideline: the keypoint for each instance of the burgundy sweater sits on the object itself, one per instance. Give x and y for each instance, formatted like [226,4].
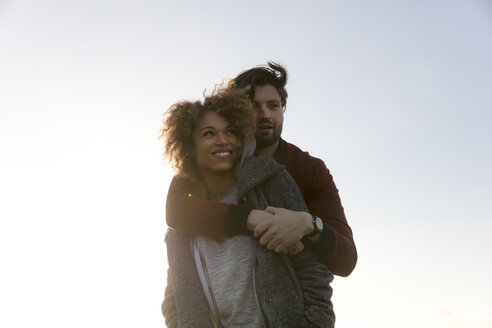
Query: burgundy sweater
[188,213]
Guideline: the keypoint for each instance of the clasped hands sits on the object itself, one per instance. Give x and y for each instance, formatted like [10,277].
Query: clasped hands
[280,229]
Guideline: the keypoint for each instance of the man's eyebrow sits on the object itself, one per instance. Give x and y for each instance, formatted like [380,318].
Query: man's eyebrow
[268,101]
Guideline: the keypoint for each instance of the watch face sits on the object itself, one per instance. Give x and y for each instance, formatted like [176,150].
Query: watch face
[319,224]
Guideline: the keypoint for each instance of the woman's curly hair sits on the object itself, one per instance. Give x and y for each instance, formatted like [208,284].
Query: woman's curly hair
[180,120]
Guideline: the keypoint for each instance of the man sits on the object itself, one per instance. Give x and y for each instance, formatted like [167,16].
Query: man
[324,229]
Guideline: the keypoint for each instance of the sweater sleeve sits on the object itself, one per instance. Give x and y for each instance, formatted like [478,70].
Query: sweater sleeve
[187,212]
[168,307]
[314,278]
[315,282]
[336,248]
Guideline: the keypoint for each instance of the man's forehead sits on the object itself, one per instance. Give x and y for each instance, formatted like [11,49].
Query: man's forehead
[266,92]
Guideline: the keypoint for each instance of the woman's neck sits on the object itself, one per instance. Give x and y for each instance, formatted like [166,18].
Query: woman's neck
[219,185]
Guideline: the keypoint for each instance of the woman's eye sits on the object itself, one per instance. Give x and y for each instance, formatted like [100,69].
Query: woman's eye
[208,133]
[233,132]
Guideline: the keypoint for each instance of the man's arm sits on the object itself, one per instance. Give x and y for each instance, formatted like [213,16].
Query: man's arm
[187,212]
[335,246]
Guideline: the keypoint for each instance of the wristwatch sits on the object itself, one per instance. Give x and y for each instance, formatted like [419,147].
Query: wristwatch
[318,227]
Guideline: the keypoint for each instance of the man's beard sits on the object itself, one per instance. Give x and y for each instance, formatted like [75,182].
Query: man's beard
[263,141]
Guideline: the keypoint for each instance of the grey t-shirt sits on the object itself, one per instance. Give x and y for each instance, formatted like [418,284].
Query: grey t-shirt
[230,264]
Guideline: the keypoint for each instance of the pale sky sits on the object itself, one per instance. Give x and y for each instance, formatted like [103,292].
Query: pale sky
[395,97]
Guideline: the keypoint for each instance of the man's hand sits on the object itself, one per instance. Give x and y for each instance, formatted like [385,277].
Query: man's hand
[280,229]
[258,216]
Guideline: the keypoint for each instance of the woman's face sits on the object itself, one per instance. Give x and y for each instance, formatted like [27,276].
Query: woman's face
[217,147]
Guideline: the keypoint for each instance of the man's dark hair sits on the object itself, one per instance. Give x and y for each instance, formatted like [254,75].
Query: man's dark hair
[275,75]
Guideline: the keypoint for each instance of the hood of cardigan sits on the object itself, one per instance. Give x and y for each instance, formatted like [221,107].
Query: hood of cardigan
[253,170]
[247,152]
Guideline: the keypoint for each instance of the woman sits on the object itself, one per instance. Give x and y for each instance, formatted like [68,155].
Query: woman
[235,282]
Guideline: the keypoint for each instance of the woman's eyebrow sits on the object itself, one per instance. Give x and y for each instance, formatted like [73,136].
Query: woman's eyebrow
[206,127]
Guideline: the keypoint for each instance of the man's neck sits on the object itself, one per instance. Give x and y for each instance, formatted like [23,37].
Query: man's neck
[268,151]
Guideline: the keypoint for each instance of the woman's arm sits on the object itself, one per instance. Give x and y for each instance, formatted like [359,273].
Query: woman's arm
[314,278]
[169,306]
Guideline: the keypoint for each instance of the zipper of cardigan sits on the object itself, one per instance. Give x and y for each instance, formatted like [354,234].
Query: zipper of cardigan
[256,298]
[204,282]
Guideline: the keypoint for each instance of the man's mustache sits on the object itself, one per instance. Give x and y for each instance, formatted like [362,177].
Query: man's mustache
[264,121]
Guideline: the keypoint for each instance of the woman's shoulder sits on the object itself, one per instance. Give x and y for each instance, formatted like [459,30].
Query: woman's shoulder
[259,167]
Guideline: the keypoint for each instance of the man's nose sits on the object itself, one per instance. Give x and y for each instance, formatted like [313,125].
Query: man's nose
[263,111]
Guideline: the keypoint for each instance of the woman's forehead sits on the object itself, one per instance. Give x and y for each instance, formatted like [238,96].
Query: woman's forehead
[212,119]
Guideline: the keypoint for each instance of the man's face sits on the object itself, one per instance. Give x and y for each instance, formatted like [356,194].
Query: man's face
[268,106]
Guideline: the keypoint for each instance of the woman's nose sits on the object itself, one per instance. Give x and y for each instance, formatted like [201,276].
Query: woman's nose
[221,139]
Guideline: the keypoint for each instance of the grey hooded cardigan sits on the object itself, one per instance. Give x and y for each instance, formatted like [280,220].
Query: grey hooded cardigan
[291,291]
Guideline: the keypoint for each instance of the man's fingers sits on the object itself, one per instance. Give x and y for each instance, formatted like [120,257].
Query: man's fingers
[272,244]
[267,237]
[299,246]
[260,230]
[271,210]
[281,248]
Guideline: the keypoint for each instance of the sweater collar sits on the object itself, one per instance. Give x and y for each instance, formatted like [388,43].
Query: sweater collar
[280,154]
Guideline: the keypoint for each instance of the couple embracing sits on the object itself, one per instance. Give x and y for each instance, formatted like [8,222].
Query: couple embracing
[257,229]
